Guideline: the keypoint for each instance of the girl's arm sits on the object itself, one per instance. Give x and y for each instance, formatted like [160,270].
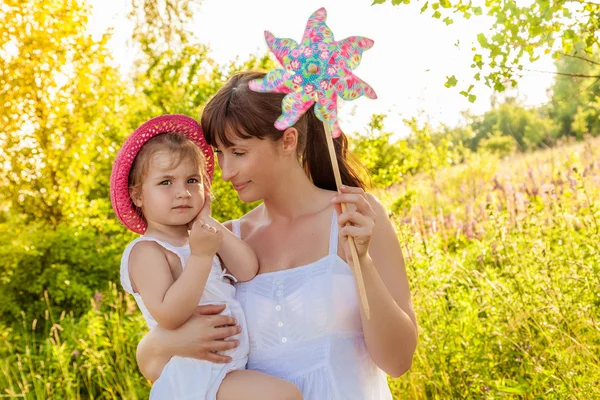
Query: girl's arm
[237,255]
[170,302]
[391,332]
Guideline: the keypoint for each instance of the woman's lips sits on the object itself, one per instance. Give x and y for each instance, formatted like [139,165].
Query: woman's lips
[240,186]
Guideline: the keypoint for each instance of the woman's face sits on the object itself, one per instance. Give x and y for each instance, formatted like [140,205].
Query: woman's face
[253,166]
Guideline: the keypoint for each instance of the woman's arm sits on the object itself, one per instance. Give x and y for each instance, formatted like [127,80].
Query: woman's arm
[391,332]
[200,337]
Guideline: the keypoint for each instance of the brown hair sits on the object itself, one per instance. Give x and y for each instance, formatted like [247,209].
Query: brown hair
[178,145]
[253,114]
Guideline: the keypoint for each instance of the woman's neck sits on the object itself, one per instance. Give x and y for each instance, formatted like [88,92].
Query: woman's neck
[294,196]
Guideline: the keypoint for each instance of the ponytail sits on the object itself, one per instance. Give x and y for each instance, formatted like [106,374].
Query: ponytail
[316,161]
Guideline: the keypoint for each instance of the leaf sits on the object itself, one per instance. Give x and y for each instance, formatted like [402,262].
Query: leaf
[425,6]
[483,42]
[472,98]
[437,14]
[448,21]
[378,2]
[451,81]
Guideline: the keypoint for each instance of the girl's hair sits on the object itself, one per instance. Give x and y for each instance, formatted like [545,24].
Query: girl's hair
[253,114]
[178,145]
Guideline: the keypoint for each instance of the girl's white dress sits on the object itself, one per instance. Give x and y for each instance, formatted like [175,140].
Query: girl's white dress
[304,326]
[188,378]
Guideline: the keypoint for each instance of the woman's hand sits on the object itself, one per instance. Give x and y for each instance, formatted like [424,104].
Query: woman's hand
[357,221]
[201,337]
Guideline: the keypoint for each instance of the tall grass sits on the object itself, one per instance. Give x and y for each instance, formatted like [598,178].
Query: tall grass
[63,357]
[504,263]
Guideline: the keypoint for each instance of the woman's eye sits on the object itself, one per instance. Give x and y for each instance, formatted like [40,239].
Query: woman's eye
[237,153]
[216,151]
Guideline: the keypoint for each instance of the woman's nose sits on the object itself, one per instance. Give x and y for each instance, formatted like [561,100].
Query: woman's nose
[227,172]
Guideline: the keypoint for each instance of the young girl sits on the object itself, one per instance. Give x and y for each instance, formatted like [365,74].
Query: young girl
[160,188]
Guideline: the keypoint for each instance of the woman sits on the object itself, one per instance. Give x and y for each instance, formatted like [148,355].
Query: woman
[303,314]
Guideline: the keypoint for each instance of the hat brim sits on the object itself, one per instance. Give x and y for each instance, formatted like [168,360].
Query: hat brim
[119,178]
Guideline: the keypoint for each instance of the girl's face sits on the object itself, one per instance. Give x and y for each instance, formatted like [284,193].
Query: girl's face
[171,194]
[253,166]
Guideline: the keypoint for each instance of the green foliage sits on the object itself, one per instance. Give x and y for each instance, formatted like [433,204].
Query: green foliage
[521,31]
[71,260]
[528,127]
[387,163]
[499,144]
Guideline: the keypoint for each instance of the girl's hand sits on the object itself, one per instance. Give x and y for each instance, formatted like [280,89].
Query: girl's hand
[205,240]
[358,221]
[205,212]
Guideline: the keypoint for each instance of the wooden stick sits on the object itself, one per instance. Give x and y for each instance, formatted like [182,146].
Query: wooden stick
[355,262]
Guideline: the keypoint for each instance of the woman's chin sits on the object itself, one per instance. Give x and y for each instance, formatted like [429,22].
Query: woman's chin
[247,196]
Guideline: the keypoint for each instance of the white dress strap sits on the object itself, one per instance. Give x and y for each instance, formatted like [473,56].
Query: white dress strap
[125,279]
[333,236]
[235,228]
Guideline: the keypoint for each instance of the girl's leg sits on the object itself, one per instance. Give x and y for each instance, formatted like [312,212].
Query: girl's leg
[253,385]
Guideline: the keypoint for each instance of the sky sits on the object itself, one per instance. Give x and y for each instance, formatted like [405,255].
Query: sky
[408,65]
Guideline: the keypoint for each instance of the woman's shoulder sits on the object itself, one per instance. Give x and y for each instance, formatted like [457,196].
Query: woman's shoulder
[246,220]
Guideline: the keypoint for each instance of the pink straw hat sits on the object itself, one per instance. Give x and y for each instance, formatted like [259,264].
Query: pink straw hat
[119,178]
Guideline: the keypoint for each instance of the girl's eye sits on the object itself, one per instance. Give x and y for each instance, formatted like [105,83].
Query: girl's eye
[193,180]
[167,182]
[216,151]
[237,153]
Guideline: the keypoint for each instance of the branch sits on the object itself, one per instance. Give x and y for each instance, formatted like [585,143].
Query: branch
[581,58]
[561,73]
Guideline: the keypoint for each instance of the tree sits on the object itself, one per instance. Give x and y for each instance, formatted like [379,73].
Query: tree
[522,30]
[530,128]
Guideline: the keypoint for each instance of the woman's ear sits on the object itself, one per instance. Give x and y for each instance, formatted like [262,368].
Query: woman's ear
[290,141]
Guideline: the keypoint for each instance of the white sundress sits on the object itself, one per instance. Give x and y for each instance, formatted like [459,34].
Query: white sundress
[188,378]
[304,326]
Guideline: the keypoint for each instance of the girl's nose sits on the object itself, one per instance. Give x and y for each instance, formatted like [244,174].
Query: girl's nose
[183,193]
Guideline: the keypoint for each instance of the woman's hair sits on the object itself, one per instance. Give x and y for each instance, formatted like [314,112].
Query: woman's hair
[178,145]
[253,114]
